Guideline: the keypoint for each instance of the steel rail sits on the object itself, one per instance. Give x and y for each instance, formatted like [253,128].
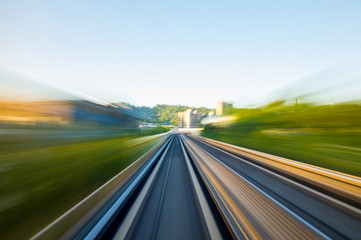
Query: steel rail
[157,184]
[73,223]
[342,186]
[330,215]
[99,229]
[250,212]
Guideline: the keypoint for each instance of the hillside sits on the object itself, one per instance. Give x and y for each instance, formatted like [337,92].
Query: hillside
[163,113]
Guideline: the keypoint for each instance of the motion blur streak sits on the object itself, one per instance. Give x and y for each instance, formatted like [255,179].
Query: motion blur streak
[345,186]
[194,188]
[315,120]
[56,148]
[269,203]
[62,151]
[254,211]
[168,207]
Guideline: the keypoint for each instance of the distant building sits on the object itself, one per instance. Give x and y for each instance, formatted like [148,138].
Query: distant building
[65,112]
[188,119]
[222,107]
[219,110]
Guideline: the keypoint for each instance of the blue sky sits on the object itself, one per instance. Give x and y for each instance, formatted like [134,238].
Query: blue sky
[177,52]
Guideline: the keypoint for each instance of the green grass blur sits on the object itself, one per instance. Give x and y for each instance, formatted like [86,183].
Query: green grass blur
[43,175]
[328,136]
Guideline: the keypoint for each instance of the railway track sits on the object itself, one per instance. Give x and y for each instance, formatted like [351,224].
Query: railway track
[196,188]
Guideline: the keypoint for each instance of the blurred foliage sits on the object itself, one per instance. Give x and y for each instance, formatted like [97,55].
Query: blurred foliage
[325,135]
[167,114]
[43,173]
